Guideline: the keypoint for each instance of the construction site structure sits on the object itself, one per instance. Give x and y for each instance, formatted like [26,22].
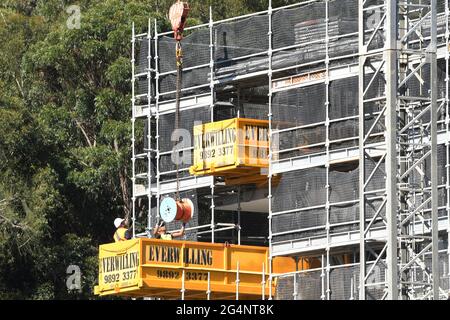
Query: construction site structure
[355,96]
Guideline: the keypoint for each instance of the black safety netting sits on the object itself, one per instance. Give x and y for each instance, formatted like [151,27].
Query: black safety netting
[300,189]
[425,167]
[440,5]
[346,215]
[224,112]
[142,61]
[303,194]
[420,177]
[444,270]
[376,291]
[343,28]
[376,173]
[142,66]
[343,104]
[305,28]
[295,26]
[300,142]
[191,235]
[254,111]
[195,47]
[344,186]
[421,275]
[306,107]
[188,119]
[313,285]
[167,167]
[196,52]
[344,283]
[190,79]
[238,39]
[297,221]
[441,77]
[253,102]
[299,26]
[374,32]
[343,98]
[420,37]
[418,85]
[142,86]
[142,167]
[344,130]
[309,286]
[299,107]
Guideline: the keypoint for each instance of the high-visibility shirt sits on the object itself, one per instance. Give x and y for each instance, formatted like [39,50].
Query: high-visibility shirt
[166,236]
[119,235]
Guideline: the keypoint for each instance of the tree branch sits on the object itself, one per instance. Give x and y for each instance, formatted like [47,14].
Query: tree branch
[14,225]
[19,86]
[123,185]
[4,20]
[79,125]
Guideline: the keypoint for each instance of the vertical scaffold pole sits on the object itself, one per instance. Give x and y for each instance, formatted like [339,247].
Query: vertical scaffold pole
[270,116]
[361,83]
[322,276]
[352,294]
[157,96]
[208,291]
[237,281]
[211,61]
[447,124]
[213,218]
[263,282]
[295,294]
[327,146]
[149,123]
[211,85]
[133,129]
[183,290]
[434,152]
[239,215]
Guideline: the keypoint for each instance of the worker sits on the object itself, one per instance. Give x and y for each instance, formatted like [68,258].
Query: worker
[160,231]
[122,233]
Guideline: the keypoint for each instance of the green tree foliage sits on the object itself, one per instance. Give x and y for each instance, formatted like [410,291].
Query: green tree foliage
[65,133]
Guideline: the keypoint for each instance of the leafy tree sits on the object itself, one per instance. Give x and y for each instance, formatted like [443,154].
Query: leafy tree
[65,133]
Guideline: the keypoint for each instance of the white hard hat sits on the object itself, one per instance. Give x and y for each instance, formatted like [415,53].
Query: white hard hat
[118,222]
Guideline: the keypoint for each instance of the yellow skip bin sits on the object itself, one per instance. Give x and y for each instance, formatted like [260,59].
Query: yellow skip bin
[231,148]
[158,268]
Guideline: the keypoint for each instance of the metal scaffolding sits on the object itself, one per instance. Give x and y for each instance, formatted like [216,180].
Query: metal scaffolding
[410,139]
[359,179]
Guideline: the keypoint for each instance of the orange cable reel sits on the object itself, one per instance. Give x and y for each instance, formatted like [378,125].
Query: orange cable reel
[182,210]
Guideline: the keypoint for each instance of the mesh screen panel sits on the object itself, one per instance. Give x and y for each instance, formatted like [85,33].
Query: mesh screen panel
[142,55]
[300,189]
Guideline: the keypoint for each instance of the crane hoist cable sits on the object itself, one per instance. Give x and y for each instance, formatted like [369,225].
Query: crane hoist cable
[178,14]
[179,57]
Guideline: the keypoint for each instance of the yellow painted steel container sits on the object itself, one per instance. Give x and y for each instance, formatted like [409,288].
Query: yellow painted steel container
[158,268]
[231,147]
